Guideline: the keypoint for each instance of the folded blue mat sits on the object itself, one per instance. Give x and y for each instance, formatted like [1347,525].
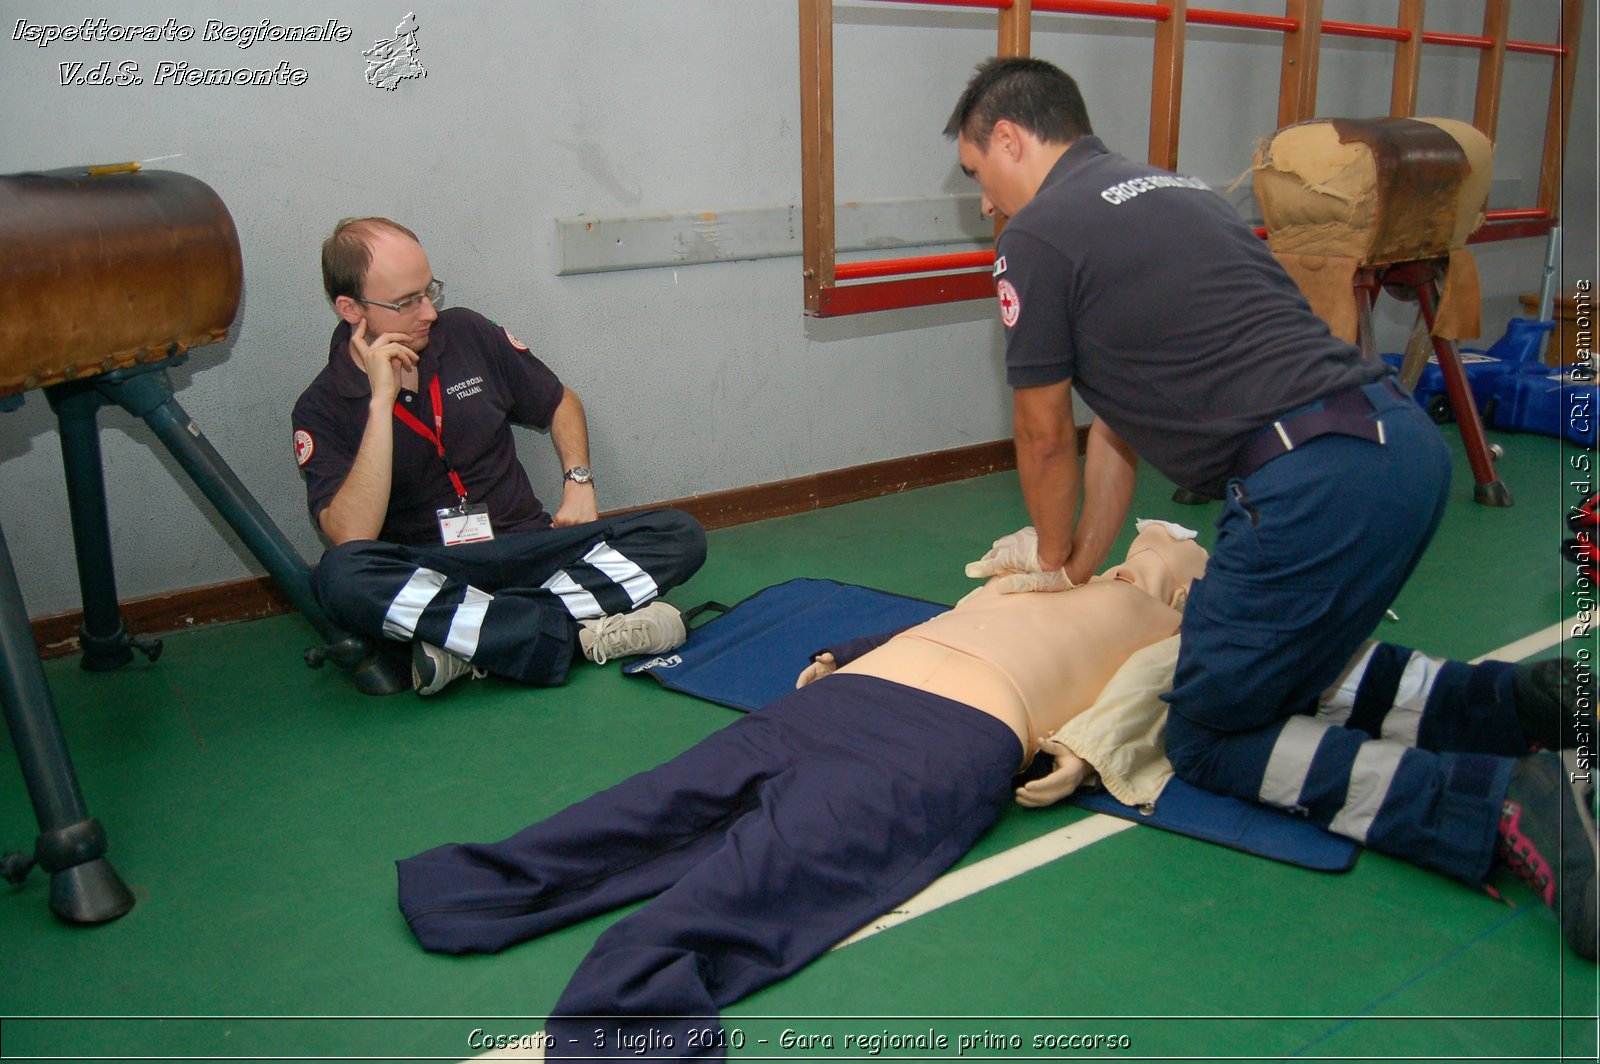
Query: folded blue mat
[749,656]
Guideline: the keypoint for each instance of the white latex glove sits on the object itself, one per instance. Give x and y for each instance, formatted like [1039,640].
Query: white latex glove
[1070,773]
[1016,553]
[823,665]
[1013,562]
[1012,583]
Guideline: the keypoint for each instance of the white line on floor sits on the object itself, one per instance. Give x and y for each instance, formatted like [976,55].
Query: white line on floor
[991,871]
[1527,646]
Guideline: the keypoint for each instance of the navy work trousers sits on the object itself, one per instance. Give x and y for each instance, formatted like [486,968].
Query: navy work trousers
[1311,549]
[510,605]
[763,846]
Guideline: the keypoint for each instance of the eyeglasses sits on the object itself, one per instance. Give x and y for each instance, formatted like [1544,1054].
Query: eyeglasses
[434,294]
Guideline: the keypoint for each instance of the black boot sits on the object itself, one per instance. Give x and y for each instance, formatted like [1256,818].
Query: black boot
[1555,703]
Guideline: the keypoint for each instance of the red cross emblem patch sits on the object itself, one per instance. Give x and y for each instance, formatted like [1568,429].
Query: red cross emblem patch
[303,447]
[1010,303]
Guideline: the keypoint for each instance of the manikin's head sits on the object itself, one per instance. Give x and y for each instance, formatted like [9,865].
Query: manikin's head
[375,270]
[1161,562]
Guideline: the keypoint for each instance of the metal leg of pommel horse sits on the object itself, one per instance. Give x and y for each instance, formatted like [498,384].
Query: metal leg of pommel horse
[84,888]
[1421,279]
[146,392]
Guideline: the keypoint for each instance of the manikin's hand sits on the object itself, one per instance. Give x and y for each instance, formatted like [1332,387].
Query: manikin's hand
[1069,773]
[1014,561]
[383,360]
[824,665]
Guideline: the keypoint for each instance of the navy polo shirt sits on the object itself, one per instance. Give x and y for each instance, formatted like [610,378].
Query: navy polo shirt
[488,380]
[1171,317]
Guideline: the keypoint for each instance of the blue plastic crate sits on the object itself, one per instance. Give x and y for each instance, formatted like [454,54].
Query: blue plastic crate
[1559,401]
[1516,352]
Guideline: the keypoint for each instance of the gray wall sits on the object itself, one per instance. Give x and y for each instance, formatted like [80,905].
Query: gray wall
[698,378]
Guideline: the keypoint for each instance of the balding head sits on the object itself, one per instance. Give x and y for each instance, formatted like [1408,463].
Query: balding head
[347,253]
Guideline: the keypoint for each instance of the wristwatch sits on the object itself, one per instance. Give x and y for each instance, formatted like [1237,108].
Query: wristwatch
[579,474]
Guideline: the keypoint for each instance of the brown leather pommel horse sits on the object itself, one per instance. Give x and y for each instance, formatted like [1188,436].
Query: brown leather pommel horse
[108,276]
[108,270]
[1354,207]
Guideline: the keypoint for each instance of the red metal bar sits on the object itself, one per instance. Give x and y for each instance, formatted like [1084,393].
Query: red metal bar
[1516,214]
[961,260]
[1361,29]
[1492,231]
[1459,40]
[991,4]
[1536,48]
[1512,224]
[1205,16]
[1153,12]
[910,292]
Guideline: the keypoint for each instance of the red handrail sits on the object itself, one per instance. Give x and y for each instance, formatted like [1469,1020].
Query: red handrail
[1002,5]
[1153,12]
[1361,29]
[961,260]
[1516,214]
[1206,17]
[1458,40]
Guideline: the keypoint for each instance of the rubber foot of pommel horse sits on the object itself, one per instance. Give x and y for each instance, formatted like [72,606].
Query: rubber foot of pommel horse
[1358,206]
[111,274]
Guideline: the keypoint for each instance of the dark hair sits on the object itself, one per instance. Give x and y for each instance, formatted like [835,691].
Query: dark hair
[348,252]
[1034,94]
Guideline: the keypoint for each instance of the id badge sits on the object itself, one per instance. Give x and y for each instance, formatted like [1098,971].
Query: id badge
[467,523]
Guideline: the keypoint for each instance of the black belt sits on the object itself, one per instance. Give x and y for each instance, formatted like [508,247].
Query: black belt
[1345,414]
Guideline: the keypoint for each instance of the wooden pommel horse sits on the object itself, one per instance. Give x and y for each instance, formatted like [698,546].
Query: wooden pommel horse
[1358,206]
[108,276]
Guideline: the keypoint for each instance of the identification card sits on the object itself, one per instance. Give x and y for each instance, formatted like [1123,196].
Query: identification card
[467,523]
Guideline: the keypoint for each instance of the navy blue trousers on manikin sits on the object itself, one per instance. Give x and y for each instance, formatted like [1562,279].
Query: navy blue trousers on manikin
[510,605]
[762,847]
[1413,757]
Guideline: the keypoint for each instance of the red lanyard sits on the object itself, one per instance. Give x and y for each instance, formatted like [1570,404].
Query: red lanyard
[435,435]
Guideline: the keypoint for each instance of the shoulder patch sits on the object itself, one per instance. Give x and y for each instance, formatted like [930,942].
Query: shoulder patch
[1010,303]
[518,344]
[999,265]
[304,447]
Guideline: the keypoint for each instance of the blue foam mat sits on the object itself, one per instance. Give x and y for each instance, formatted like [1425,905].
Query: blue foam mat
[749,656]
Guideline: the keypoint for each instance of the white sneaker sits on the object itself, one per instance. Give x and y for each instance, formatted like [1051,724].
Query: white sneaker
[433,669]
[654,629]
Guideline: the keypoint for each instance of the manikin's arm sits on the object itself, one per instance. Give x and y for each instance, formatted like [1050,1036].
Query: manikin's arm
[825,662]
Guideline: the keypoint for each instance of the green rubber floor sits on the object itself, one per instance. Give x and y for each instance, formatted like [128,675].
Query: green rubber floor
[256,809]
